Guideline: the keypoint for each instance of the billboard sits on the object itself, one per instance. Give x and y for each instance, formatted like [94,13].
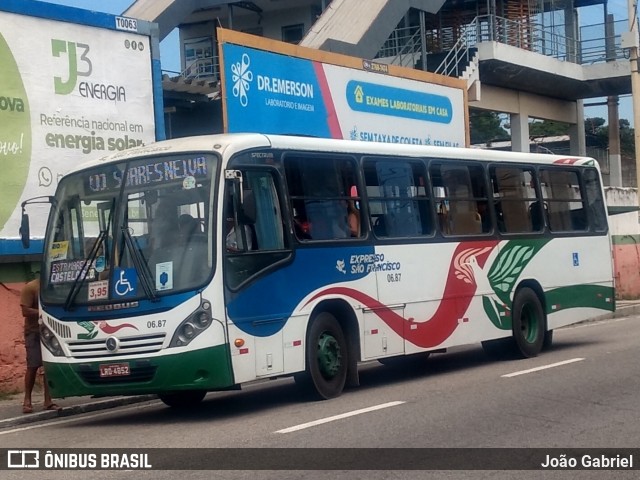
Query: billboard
[74,85]
[274,87]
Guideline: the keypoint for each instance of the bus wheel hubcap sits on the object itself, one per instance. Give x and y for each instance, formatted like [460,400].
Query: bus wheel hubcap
[529,324]
[329,355]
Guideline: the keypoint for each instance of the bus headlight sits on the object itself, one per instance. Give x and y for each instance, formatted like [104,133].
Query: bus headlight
[192,326]
[50,341]
[188,331]
[203,320]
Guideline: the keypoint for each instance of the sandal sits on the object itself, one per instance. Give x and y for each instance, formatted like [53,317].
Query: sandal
[52,406]
[27,408]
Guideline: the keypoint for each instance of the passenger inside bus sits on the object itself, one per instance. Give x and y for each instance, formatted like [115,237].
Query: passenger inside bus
[234,240]
[189,229]
[353,218]
[537,216]
[165,225]
[302,227]
[485,219]
[353,212]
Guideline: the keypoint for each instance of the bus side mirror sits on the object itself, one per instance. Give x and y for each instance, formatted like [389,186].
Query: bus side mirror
[24,230]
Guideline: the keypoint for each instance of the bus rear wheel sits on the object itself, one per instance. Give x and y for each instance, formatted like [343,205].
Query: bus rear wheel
[327,357]
[528,323]
[186,399]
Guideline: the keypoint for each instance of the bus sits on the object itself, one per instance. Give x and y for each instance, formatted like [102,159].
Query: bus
[199,264]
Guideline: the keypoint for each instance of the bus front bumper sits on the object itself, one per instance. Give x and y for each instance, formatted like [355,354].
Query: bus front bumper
[205,369]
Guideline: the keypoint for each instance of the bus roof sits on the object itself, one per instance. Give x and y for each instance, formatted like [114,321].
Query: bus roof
[235,142]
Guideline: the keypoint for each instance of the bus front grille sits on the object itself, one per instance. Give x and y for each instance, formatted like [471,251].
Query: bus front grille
[138,345]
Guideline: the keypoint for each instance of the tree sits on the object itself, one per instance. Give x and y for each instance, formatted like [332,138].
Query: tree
[627,138]
[547,128]
[486,127]
[596,132]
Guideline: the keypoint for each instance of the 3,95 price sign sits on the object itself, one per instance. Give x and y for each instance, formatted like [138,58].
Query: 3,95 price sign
[99,290]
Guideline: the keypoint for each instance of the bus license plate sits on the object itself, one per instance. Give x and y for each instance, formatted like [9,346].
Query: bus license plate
[114,370]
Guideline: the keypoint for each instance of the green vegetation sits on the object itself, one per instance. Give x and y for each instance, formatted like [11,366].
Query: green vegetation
[488,127]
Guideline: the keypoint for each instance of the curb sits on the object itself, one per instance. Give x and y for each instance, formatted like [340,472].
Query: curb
[621,311]
[92,406]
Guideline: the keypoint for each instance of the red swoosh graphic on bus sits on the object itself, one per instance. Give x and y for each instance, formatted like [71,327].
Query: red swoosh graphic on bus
[109,329]
[456,299]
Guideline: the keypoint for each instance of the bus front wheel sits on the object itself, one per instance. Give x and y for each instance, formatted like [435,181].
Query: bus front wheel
[186,399]
[326,356]
[529,323]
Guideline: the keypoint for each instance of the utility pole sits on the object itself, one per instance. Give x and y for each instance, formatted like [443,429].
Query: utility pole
[635,86]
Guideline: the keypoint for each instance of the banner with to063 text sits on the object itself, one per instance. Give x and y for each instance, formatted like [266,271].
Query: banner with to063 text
[69,93]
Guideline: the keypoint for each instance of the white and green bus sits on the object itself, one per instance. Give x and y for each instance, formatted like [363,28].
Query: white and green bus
[199,264]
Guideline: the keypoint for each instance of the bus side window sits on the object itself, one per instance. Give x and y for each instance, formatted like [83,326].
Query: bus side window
[259,220]
[561,191]
[254,236]
[514,192]
[399,204]
[321,197]
[463,198]
[596,212]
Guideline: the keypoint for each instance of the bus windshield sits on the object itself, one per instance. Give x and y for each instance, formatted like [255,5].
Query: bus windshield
[127,231]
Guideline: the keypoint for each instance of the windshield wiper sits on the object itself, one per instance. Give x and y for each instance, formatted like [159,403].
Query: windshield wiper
[82,276]
[140,264]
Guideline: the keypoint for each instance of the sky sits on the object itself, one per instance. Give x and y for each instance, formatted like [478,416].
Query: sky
[170,48]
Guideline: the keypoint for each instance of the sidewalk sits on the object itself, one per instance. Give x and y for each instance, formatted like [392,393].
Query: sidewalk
[11,405]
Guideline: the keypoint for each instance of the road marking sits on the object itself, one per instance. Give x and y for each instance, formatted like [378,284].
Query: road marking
[70,420]
[543,367]
[338,417]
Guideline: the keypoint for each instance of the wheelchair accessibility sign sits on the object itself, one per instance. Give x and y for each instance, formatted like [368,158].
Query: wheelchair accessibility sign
[124,282]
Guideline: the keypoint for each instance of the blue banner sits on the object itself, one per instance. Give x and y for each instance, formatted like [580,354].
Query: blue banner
[398,102]
[272,93]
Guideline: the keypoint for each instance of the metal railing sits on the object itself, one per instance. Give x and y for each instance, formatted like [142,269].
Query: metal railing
[460,54]
[203,68]
[206,68]
[402,47]
[594,45]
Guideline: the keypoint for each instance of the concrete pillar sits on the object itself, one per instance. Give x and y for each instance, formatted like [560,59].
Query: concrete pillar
[571,34]
[577,137]
[519,132]
[615,158]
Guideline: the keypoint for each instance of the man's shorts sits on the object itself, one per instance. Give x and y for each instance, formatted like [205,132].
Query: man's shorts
[34,354]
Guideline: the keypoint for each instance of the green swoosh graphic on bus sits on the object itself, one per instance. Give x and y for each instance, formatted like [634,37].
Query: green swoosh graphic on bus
[15,134]
[508,266]
[503,274]
[510,263]
[594,296]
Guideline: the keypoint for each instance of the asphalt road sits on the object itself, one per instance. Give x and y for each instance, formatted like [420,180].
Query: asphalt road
[583,393]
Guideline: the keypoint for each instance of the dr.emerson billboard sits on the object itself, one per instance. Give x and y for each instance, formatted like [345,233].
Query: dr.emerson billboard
[274,87]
